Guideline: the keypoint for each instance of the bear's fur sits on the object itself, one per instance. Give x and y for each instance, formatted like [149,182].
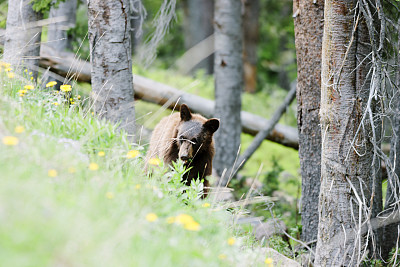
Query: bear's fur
[186,136]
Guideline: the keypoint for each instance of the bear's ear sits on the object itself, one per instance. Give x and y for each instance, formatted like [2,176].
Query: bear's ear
[211,125]
[186,115]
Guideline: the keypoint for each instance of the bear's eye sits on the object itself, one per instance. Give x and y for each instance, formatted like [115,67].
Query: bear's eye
[181,139]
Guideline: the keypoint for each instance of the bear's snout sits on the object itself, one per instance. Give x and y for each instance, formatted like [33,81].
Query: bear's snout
[185,151]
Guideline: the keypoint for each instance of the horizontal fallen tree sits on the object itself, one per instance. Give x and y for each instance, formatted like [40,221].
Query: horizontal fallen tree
[68,65]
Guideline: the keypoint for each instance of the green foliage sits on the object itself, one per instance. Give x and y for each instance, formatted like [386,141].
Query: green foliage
[270,179]
[44,5]
[79,34]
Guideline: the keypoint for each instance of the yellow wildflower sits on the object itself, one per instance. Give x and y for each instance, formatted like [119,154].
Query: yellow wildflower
[8,69]
[19,129]
[55,103]
[109,195]
[52,173]
[31,78]
[206,205]
[65,88]
[30,73]
[101,154]
[132,154]
[72,103]
[22,91]
[10,140]
[78,96]
[138,186]
[184,218]
[154,161]
[269,262]
[231,241]
[192,226]
[51,84]
[93,166]
[29,87]
[10,75]
[5,64]
[151,217]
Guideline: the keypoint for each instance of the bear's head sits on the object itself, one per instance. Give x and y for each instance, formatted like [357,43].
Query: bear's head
[194,134]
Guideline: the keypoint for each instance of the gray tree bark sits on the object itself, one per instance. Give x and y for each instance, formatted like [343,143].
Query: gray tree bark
[23,36]
[57,36]
[199,16]
[308,28]
[391,232]
[250,42]
[228,73]
[347,153]
[110,44]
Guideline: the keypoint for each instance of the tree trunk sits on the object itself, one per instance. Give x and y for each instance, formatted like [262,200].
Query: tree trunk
[23,36]
[110,44]
[391,232]
[199,17]
[57,36]
[347,153]
[308,36]
[250,38]
[228,74]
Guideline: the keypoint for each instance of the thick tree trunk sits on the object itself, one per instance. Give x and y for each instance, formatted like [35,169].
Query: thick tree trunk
[346,164]
[110,44]
[391,232]
[199,16]
[309,27]
[228,72]
[23,36]
[250,42]
[57,36]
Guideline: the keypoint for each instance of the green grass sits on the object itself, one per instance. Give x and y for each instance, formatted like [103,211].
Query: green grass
[83,217]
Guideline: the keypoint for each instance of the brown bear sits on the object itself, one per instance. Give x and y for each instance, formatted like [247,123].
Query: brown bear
[188,137]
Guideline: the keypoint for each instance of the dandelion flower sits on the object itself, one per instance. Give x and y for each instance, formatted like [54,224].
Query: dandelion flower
[29,87]
[184,219]
[231,241]
[132,154]
[78,97]
[151,217]
[55,103]
[192,226]
[206,205]
[109,195]
[10,75]
[10,140]
[51,84]
[269,262]
[138,186]
[8,69]
[31,78]
[154,161]
[30,73]
[72,103]
[93,166]
[65,88]
[101,154]
[52,173]
[22,91]
[19,129]
[5,64]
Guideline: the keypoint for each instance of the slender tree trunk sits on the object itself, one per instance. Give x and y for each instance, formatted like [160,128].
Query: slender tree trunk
[57,36]
[199,16]
[309,27]
[347,153]
[110,44]
[228,73]
[23,36]
[250,40]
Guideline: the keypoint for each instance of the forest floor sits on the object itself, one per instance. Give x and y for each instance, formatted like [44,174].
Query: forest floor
[73,192]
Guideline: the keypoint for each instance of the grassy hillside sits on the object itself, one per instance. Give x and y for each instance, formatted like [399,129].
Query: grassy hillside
[73,193]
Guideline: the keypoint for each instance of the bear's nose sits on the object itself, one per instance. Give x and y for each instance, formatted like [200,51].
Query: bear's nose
[184,158]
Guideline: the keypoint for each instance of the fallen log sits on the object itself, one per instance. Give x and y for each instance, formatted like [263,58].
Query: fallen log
[67,63]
